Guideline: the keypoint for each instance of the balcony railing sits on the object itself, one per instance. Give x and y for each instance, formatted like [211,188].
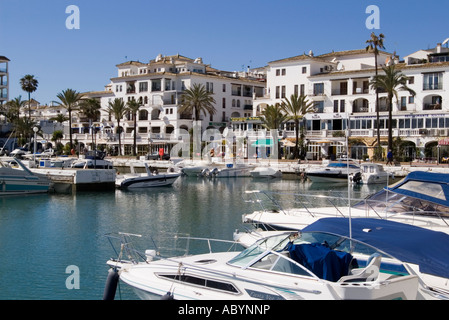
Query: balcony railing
[432,86]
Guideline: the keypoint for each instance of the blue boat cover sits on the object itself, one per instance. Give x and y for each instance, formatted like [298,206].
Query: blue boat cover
[407,243]
[325,263]
[440,180]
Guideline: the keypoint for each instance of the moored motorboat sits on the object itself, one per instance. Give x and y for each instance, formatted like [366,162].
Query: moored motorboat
[146,180]
[420,199]
[265,172]
[374,173]
[335,172]
[17,179]
[231,170]
[289,266]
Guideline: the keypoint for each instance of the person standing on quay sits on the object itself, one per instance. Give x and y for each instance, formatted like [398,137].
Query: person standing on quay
[389,157]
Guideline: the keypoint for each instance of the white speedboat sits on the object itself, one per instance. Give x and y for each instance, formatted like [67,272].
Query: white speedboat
[193,169]
[288,266]
[335,172]
[423,250]
[16,178]
[146,180]
[92,160]
[374,173]
[266,172]
[420,199]
[231,170]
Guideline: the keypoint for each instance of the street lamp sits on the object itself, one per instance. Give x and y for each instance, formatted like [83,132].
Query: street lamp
[35,129]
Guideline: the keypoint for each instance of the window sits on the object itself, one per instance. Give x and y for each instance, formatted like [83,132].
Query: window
[210,87]
[304,70]
[156,85]
[224,87]
[143,86]
[411,80]
[302,90]
[403,105]
[411,99]
[167,84]
[318,89]
[212,284]
[278,92]
[278,72]
[433,81]
[236,90]
[223,102]
[283,72]
[283,92]
[296,89]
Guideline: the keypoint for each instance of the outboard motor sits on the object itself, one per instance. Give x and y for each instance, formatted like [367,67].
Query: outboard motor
[357,178]
[214,172]
[204,172]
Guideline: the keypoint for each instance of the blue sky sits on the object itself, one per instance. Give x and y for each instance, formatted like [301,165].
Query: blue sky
[229,35]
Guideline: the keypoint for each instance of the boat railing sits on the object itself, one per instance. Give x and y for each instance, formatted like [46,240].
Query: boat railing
[127,246]
[382,208]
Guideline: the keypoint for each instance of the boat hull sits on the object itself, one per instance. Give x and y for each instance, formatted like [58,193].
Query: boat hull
[147,181]
[13,186]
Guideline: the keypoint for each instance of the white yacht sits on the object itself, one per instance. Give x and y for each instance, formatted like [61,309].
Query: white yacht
[266,172]
[335,172]
[374,173]
[287,266]
[17,179]
[420,199]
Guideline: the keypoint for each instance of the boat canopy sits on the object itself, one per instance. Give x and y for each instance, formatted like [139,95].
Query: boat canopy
[405,242]
[341,165]
[427,186]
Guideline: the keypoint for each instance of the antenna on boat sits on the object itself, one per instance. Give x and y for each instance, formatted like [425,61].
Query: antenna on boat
[349,182]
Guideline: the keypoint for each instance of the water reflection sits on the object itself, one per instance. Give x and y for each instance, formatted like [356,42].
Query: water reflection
[41,235]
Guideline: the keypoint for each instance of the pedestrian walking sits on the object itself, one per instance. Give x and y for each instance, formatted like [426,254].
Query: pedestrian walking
[389,157]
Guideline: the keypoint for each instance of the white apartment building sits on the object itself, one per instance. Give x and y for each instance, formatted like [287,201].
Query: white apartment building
[158,86]
[338,84]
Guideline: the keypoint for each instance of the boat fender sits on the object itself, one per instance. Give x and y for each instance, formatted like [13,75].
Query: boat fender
[168,296]
[111,284]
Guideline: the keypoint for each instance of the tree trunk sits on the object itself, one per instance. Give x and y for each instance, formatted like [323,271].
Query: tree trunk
[390,123]
[377,113]
[70,129]
[297,140]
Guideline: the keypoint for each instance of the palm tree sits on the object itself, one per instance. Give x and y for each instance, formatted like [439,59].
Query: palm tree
[91,109]
[118,109]
[296,108]
[272,118]
[60,118]
[11,109]
[29,84]
[392,81]
[69,100]
[374,43]
[196,100]
[133,107]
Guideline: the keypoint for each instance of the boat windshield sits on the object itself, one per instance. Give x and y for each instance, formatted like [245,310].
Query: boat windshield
[392,203]
[280,243]
[341,165]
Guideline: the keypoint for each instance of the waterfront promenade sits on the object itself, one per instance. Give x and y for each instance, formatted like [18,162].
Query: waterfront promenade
[289,167]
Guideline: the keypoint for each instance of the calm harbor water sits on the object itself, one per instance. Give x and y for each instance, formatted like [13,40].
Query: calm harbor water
[42,235]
